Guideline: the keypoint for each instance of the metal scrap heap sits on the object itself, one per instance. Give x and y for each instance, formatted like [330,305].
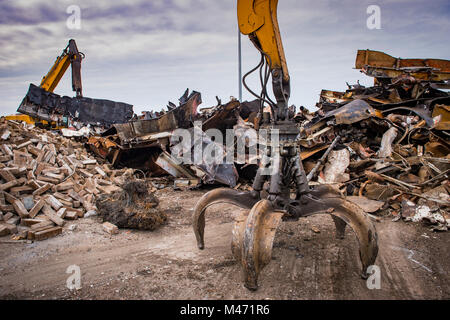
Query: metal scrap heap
[391,150]
[385,147]
[74,112]
[146,144]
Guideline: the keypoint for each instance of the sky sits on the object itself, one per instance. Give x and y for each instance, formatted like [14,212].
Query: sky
[147,52]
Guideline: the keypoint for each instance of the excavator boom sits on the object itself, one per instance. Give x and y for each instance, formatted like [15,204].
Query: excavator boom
[70,56]
[258,19]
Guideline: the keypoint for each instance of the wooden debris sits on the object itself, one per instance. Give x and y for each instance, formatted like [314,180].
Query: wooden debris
[20,209]
[48,233]
[55,178]
[4,231]
[54,203]
[71,215]
[37,207]
[110,228]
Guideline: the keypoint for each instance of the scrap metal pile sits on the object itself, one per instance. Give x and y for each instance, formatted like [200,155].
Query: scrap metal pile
[386,148]
[147,144]
[46,179]
[391,150]
[77,112]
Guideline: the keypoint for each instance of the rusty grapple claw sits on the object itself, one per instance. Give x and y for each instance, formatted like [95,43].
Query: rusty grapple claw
[254,231]
[242,199]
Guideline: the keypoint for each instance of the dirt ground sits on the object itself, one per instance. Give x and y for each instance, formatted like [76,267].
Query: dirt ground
[166,264]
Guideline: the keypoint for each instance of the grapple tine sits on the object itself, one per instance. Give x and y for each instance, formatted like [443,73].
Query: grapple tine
[343,211]
[242,199]
[253,240]
[340,227]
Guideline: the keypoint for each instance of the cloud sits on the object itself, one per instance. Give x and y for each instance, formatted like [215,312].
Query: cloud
[148,52]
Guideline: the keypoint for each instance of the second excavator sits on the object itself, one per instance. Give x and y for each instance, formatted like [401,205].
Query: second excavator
[284,193]
[42,107]
[69,57]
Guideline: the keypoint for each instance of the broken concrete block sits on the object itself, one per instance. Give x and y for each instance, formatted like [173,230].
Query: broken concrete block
[6,208]
[9,197]
[28,202]
[110,228]
[61,213]
[10,184]
[30,222]
[41,225]
[6,150]
[90,213]
[89,161]
[53,216]
[8,216]
[64,186]
[6,134]
[7,175]
[100,171]
[42,189]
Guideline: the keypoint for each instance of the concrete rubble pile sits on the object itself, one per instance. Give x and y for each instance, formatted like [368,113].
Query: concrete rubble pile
[47,180]
[391,141]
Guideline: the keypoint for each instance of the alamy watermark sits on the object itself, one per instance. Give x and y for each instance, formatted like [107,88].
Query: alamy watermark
[73,282]
[73,22]
[374,280]
[374,20]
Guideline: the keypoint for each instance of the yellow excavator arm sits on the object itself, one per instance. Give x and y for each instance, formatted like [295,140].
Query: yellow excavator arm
[258,19]
[270,201]
[70,56]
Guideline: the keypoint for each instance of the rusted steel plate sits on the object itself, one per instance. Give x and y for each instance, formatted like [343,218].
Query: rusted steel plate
[49,106]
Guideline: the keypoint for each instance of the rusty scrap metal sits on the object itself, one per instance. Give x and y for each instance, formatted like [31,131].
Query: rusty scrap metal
[354,111]
[381,65]
[48,106]
[389,150]
[170,165]
[313,172]
[442,111]
[180,117]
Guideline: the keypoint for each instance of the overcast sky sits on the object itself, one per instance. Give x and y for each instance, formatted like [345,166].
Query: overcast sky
[146,52]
